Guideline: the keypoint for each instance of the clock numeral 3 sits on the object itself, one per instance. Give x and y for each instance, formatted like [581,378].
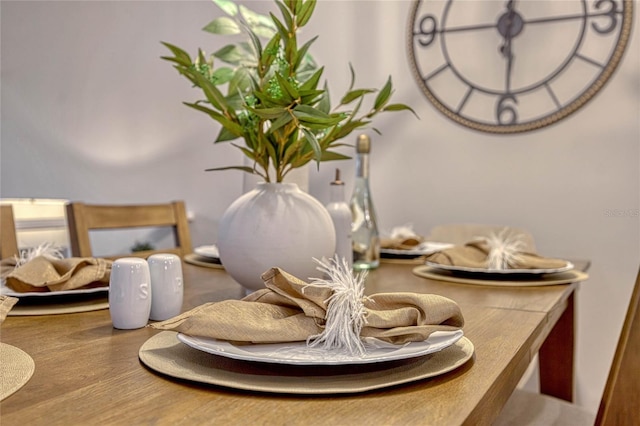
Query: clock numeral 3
[506,112]
[427,30]
[611,13]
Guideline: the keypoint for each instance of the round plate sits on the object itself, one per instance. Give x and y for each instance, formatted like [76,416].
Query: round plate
[298,353]
[484,271]
[165,354]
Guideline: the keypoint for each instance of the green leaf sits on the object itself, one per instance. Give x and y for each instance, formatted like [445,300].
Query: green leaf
[268,113]
[324,104]
[228,6]
[313,81]
[282,30]
[302,51]
[222,75]
[313,142]
[283,120]
[355,94]
[241,81]
[255,41]
[383,96]
[269,54]
[305,12]
[353,77]
[400,107]
[232,126]
[222,25]
[288,87]
[230,54]
[309,97]
[214,96]
[261,25]
[241,168]
[181,56]
[225,135]
[288,19]
[331,156]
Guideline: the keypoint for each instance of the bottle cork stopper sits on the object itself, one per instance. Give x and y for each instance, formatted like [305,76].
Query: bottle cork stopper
[363,144]
[337,181]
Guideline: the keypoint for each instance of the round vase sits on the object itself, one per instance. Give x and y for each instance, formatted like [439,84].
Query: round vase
[274,225]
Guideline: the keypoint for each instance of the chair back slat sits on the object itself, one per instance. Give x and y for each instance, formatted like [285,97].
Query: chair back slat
[83,218]
[620,404]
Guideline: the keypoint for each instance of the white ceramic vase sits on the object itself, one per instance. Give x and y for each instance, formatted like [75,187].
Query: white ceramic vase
[274,225]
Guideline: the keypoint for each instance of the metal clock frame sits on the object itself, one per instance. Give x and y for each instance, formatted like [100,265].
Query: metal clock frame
[509,25]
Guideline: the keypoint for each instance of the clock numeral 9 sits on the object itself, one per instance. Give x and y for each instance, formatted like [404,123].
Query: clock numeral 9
[427,30]
[506,113]
[611,13]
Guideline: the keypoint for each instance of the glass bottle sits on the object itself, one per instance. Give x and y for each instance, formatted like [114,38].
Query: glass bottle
[341,216]
[364,227]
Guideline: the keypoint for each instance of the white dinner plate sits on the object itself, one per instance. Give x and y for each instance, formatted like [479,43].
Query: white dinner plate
[299,353]
[422,249]
[506,272]
[210,251]
[6,291]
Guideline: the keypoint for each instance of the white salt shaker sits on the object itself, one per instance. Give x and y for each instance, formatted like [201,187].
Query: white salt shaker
[129,293]
[166,285]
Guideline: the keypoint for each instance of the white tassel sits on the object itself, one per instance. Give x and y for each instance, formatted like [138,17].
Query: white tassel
[45,249]
[504,250]
[345,311]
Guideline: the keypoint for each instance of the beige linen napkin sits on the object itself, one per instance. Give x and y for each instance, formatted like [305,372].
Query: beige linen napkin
[474,254]
[6,303]
[47,274]
[290,310]
[400,243]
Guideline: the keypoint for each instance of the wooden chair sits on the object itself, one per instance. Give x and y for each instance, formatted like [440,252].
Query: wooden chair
[83,218]
[9,241]
[620,404]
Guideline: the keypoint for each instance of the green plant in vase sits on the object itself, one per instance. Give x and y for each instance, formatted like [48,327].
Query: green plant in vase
[274,99]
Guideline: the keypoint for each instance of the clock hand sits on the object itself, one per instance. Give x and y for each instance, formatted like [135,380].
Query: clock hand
[505,27]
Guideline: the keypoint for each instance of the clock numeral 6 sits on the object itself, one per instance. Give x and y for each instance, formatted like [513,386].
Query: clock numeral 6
[611,13]
[505,112]
[427,30]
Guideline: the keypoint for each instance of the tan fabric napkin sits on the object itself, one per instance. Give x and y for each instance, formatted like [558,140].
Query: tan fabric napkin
[474,255]
[400,243]
[6,303]
[290,310]
[48,274]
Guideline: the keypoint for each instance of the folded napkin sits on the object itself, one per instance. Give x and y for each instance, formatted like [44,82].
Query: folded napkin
[290,310]
[44,273]
[6,303]
[491,254]
[401,238]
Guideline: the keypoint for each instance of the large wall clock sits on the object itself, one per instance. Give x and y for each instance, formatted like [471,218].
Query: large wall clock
[503,66]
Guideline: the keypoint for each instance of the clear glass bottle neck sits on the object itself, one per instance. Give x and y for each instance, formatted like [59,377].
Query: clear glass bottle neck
[362,165]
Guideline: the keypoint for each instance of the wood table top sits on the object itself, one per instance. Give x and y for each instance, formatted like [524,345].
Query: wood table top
[87,372]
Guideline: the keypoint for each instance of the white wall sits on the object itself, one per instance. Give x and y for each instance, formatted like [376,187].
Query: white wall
[90,112]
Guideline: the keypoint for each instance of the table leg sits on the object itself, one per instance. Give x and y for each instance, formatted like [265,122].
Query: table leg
[556,357]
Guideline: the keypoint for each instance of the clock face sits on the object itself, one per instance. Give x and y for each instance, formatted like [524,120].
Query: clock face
[514,66]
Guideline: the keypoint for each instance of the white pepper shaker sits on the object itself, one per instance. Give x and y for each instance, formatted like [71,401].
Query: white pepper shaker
[167,286]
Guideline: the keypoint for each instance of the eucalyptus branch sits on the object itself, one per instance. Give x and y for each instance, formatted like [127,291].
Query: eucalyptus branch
[273,100]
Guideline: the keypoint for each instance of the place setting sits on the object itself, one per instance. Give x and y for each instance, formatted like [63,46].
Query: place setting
[499,259]
[317,337]
[206,255]
[46,283]
[404,245]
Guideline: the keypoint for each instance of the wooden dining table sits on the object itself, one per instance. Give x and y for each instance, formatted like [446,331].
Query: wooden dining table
[87,372]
